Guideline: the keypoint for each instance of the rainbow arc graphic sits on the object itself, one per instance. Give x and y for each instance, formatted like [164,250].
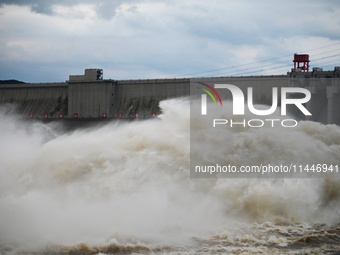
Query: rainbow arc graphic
[211,91]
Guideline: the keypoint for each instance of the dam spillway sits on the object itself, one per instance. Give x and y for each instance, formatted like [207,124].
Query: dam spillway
[89,96]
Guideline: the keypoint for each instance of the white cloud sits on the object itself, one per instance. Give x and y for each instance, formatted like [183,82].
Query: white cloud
[81,11]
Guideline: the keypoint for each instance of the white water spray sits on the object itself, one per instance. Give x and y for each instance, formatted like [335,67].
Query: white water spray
[130,181]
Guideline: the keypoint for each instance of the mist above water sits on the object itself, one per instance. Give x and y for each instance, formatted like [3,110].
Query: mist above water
[130,181]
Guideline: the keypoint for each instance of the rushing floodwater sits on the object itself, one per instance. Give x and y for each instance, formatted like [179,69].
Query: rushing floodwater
[124,188]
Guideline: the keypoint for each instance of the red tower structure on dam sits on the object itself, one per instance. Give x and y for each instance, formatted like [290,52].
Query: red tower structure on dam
[301,61]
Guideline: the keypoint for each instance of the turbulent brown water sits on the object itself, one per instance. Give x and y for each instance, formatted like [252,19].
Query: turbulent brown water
[125,188]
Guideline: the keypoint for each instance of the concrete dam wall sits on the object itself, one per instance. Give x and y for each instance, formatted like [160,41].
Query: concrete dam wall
[35,100]
[324,86]
[142,97]
[90,97]
[115,99]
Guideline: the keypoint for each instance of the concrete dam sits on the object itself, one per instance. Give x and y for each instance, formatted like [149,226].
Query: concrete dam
[89,96]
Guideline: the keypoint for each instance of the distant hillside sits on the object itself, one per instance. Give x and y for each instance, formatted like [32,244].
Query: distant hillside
[11,82]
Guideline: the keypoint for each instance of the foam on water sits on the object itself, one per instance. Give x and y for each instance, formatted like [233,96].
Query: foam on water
[129,182]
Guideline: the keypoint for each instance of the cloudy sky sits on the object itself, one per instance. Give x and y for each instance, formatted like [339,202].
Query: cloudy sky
[46,40]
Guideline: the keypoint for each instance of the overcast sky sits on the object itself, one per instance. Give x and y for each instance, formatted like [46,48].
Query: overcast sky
[46,40]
